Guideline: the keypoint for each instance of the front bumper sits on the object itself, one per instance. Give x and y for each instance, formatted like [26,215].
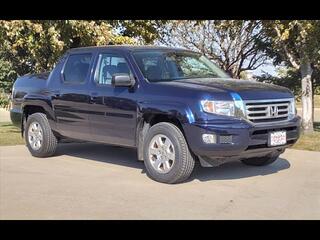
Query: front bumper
[248,140]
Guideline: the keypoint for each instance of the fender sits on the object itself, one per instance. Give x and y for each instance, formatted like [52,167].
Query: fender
[43,101]
[176,110]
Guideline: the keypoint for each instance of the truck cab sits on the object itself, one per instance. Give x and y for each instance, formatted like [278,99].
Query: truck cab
[173,105]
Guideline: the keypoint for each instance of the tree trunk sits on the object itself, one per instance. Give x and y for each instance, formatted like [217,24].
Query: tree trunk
[314,86]
[306,97]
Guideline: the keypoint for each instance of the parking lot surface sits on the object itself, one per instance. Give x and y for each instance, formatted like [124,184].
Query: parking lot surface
[93,181]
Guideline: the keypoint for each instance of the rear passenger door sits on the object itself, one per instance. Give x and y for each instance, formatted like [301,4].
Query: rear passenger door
[71,99]
[113,110]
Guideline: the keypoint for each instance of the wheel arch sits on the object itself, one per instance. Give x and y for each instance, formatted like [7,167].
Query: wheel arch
[36,104]
[178,117]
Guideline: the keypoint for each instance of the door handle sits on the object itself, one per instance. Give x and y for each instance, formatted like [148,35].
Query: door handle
[94,97]
[55,93]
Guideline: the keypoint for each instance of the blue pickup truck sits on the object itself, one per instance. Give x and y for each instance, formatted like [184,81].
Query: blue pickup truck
[174,106]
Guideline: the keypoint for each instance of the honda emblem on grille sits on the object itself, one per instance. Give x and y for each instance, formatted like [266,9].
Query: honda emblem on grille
[273,111]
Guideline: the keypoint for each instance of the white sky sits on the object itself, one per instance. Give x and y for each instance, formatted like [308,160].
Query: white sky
[268,68]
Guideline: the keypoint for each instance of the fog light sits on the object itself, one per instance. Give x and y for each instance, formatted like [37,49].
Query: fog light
[209,138]
[225,139]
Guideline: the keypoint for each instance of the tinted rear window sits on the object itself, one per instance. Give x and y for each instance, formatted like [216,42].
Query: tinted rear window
[77,68]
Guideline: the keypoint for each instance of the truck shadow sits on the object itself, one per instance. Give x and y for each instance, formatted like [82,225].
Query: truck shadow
[237,170]
[102,153]
[127,157]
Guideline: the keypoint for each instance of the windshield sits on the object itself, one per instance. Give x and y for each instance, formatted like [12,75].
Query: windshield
[169,66]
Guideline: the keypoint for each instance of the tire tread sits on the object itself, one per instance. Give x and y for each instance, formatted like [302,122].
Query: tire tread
[49,140]
[187,159]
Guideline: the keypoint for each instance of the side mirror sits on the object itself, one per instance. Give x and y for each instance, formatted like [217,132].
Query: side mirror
[122,80]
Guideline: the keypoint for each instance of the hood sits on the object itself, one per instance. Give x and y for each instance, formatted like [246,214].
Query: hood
[247,89]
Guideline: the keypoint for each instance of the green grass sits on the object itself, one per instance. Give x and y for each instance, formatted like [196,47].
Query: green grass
[310,141]
[10,135]
[316,102]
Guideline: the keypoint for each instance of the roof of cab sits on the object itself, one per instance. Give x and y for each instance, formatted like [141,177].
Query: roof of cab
[126,48]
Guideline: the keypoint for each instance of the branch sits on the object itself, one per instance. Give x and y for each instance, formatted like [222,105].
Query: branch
[289,55]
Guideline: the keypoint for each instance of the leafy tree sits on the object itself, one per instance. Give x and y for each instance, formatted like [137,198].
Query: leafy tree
[7,76]
[290,78]
[233,44]
[34,46]
[145,31]
[296,43]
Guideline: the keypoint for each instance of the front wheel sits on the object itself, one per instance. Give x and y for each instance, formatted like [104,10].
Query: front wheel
[166,154]
[39,138]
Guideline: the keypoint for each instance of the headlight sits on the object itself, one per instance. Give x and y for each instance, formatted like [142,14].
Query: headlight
[292,109]
[218,107]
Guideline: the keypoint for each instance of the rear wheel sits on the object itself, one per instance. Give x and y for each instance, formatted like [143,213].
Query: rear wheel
[39,138]
[166,154]
[261,161]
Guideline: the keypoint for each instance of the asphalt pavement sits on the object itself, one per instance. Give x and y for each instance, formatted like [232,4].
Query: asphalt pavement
[94,181]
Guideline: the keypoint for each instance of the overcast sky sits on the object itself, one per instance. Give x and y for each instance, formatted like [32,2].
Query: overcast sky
[268,68]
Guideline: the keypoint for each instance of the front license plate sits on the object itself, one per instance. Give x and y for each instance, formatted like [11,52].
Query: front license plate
[277,138]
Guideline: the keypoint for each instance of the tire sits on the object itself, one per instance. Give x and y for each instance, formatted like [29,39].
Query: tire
[48,145]
[261,161]
[183,164]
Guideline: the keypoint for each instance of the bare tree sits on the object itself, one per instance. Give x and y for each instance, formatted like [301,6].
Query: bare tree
[233,44]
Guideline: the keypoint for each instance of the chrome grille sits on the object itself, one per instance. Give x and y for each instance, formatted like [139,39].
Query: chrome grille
[267,110]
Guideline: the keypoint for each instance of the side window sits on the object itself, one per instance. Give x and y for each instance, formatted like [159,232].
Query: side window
[77,68]
[110,64]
